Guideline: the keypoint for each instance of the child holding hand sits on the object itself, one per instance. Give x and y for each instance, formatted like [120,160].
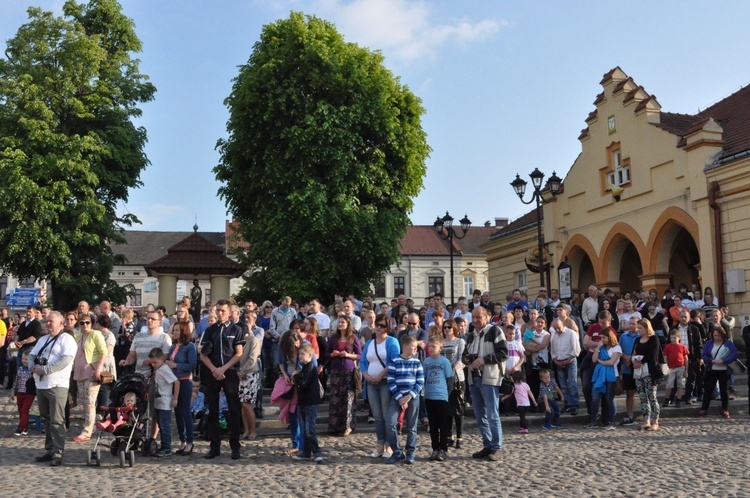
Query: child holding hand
[522,393]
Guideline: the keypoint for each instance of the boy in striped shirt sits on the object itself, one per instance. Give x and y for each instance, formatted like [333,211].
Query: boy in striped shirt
[405,382]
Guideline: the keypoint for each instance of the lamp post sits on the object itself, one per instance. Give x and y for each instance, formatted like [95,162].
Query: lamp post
[446,223]
[553,183]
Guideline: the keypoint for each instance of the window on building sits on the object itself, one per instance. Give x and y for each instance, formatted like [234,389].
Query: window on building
[434,284]
[620,174]
[208,295]
[120,273]
[468,286]
[136,273]
[521,280]
[135,298]
[380,288]
[27,283]
[3,287]
[399,286]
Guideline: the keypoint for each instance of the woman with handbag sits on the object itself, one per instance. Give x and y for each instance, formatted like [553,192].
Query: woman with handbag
[647,373]
[343,350]
[718,352]
[87,368]
[376,355]
[453,350]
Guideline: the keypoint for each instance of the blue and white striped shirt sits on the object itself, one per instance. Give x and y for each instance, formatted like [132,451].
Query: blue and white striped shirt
[405,376]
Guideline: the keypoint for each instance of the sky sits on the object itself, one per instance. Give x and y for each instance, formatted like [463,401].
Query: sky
[506,85]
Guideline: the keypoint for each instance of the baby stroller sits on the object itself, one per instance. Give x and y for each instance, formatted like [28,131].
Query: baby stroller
[129,435]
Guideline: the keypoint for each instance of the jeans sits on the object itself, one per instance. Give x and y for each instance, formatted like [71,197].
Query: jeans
[607,398]
[380,398]
[487,412]
[296,432]
[164,418]
[410,426]
[553,415]
[102,399]
[24,402]
[182,415]
[307,416]
[568,377]
[52,410]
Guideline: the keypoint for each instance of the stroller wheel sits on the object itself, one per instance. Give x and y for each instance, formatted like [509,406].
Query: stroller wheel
[122,459]
[131,458]
[98,458]
[88,457]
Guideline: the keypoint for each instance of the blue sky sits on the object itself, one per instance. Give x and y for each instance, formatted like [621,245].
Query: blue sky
[506,85]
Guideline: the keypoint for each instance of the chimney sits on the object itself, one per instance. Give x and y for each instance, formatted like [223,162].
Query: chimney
[501,222]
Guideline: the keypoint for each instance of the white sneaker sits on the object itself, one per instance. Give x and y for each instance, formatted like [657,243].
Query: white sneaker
[387,454]
[319,459]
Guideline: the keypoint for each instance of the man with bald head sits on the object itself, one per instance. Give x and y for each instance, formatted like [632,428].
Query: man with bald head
[106,309]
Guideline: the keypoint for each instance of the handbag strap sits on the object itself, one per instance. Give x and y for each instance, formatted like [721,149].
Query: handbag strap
[375,345]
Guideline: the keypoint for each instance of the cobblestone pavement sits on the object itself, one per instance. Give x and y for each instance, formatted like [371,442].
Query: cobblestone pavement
[687,457]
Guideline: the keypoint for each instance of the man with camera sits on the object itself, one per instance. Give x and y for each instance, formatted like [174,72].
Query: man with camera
[52,360]
[486,352]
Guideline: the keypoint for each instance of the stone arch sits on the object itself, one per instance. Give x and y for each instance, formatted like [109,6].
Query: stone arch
[583,260]
[622,256]
[663,234]
[673,248]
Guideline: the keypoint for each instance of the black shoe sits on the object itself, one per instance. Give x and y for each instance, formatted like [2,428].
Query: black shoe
[458,444]
[211,455]
[235,455]
[481,454]
[56,462]
[44,458]
[574,411]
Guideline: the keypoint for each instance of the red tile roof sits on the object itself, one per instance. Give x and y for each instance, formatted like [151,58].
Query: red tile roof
[423,240]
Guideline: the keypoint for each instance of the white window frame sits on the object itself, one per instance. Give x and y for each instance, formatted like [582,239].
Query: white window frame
[468,285]
[521,280]
[621,174]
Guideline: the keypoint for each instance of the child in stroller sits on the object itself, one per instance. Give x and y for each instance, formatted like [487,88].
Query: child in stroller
[127,420]
[122,414]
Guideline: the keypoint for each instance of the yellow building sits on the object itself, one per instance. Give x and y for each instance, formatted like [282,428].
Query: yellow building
[655,199]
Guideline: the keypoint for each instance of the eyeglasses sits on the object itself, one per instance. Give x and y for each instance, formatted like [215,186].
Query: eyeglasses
[84,322]
[381,325]
[447,327]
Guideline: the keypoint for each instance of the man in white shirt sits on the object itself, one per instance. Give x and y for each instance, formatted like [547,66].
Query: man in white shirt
[565,347]
[52,363]
[324,321]
[590,306]
[349,310]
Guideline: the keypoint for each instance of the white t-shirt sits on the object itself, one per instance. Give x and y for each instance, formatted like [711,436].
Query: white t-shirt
[374,367]
[612,351]
[65,345]
[324,321]
[164,379]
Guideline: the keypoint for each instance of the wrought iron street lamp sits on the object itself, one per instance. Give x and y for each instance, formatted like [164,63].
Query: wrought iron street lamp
[444,228]
[553,184]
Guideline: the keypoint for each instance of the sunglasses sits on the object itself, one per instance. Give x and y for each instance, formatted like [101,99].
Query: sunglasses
[447,327]
[381,326]
[84,322]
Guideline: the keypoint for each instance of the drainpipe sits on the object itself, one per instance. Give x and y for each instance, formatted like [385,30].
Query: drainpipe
[719,255]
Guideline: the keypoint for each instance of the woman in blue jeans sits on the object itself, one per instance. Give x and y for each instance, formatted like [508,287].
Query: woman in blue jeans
[604,379]
[377,353]
[182,359]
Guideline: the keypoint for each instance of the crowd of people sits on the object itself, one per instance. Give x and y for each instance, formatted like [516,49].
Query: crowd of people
[414,365]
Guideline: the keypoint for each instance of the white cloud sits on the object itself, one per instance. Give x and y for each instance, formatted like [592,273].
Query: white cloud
[401,29]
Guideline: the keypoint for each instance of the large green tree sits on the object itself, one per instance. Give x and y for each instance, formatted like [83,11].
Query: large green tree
[325,152]
[69,150]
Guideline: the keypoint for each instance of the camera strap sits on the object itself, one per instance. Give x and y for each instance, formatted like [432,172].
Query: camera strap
[49,344]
